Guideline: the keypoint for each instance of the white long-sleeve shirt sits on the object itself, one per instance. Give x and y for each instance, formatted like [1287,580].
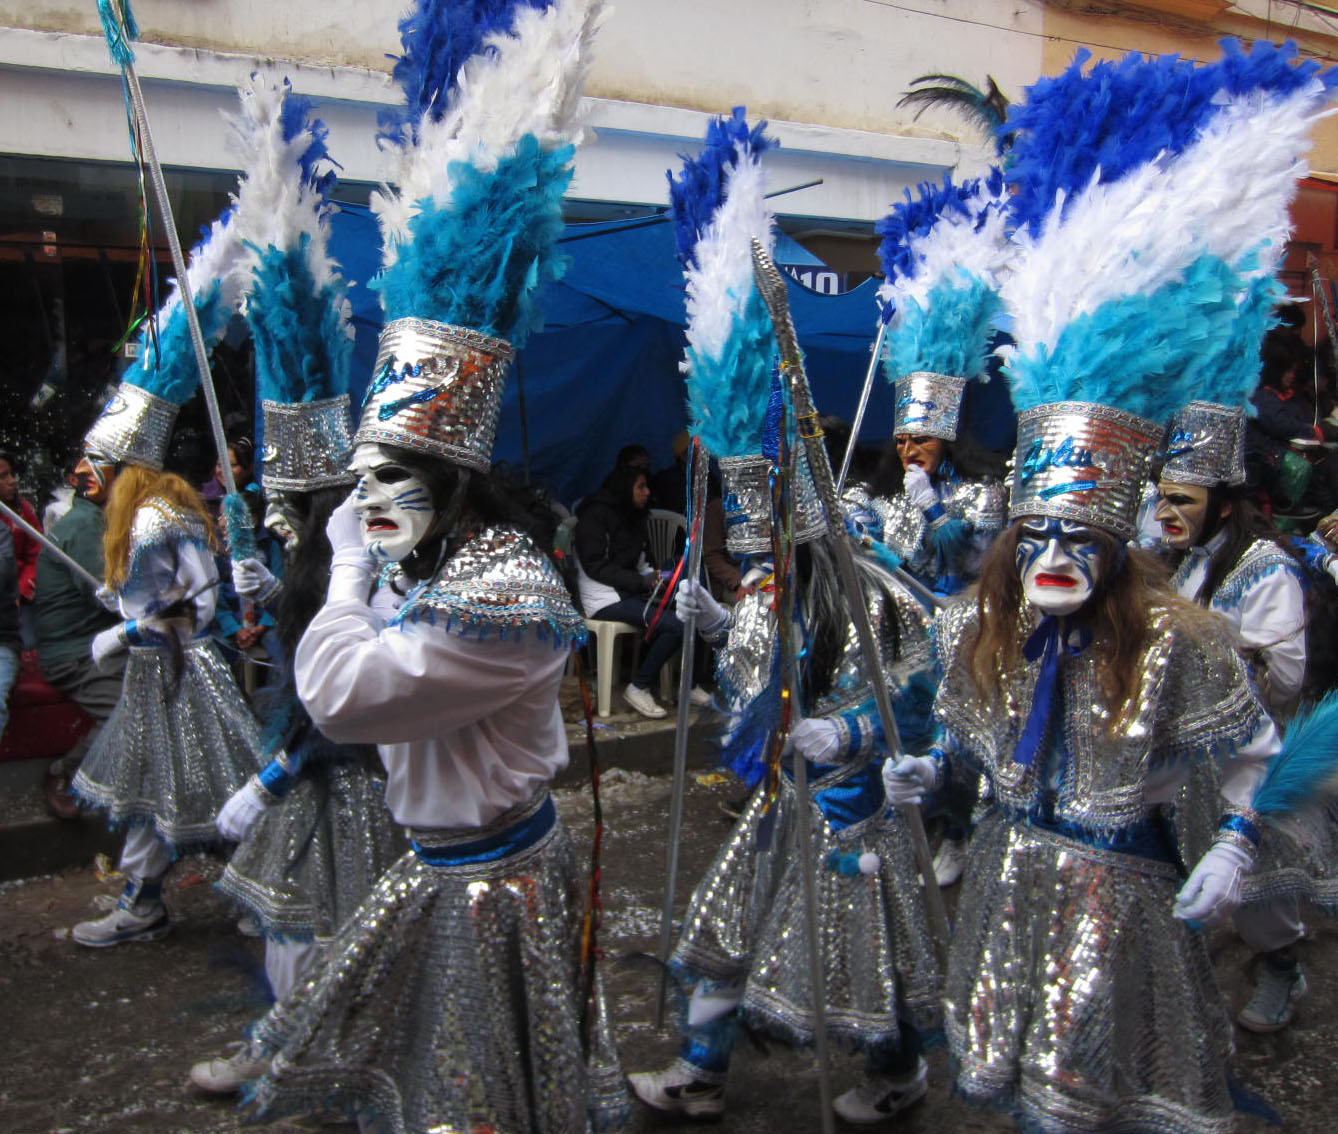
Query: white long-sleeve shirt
[168,560]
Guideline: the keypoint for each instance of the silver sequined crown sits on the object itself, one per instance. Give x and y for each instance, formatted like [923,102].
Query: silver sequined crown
[928,404]
[134,427]
[307,445]
[436,388]
[1082,461]
[1205,445]
[747,503]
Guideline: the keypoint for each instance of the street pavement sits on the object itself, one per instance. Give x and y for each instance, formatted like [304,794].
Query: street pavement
[102,1040]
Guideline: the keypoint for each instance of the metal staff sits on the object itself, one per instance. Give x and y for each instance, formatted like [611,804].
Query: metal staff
[45,541]
[681,725]
[771,285]
[863,405]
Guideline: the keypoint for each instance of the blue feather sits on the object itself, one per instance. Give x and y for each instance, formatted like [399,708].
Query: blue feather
[1228,372]
[302,350]
[241,534]
[950,542]
[726,393]
[1125,113]
[437,37]
[1305,771]
[479,262]
[907,223]
[950,335]
[913,708]
[166,366]
[295,118]
[697,192]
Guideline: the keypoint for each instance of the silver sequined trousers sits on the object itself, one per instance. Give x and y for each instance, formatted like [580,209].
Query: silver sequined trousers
[747,917]
[1074,999]
[308,862]
[172,756]
[447,1003]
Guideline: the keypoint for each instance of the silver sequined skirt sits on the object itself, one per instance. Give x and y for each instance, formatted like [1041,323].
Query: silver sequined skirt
[171,756]
[447,1002]
[308,862]
[1299,862]
[747,916]
[1074,999]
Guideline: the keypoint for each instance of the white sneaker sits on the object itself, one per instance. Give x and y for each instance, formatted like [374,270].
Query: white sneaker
[139,923]
[226,1076]
[881,1097]
[1273,1003]
[641,700]
[678,1090]
[950,861]
[248,925]
[700,697]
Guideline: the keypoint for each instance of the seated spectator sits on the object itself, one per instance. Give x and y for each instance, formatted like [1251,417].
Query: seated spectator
[1282,416]
[669,486]
[25,548]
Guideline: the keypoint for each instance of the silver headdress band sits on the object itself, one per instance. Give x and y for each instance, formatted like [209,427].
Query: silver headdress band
[747,503]
[1082,461]
[307,445]
[1205,445]
[436,388]
[134,427]
[928,404]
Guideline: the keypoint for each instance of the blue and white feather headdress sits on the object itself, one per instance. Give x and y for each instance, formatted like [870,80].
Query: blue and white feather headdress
[719,207]
[296,298]
[1150,207]
[136,423]
[482,156]
[943,254]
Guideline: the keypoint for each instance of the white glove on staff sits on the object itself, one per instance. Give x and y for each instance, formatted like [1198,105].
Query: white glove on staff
[909,779]
[107,598]
[253,579]
[919,488]
[351,568]
[244,807]
[1213,889]
[815,738]
[152,630]
[693,599]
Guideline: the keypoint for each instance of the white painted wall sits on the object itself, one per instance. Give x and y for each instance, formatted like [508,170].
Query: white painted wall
[827,72]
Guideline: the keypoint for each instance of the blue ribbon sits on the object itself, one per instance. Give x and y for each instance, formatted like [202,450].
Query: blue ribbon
[853,799]
[1044,644]
[514,839]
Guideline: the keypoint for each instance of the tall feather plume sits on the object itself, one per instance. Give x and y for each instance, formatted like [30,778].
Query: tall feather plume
[719,207]
[944,253]
[1151,195]
[296,298]
[470,231]
[1305,772]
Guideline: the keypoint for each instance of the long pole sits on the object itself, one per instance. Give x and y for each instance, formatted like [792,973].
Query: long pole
[681,725]
[771,284]
[92,580]
[863,405]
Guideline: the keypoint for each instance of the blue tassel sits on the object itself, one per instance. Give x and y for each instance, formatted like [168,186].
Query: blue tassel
[168,367]
[119,37]
[950,542]
[241,532]
[1305,771]
[843,863]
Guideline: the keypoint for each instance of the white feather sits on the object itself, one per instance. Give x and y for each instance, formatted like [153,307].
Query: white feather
[217,257]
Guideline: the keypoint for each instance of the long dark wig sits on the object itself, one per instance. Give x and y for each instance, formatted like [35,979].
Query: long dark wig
[966,457]
[306,572]
[1243,524]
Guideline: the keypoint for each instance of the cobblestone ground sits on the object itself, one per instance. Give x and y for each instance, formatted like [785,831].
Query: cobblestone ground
[101,1041]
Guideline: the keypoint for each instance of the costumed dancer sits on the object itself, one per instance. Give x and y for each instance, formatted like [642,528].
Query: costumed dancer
[943,257]
[944,254]
[453,998]
[1113,721]
[742,954]
[181,739]
[312,825]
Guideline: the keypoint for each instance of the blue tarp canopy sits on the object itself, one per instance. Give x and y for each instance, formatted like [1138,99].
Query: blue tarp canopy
[604,371]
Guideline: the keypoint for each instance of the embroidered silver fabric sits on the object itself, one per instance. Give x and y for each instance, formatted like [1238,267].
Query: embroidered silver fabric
[307,445]
[1205,445]
[155,525]
[500,583]
[172,756]
[134,426]
[1074,999]
[982,504]
[747,913]
[927,404]
[746,483]
[447,1003]
[1263,557]
[311,859]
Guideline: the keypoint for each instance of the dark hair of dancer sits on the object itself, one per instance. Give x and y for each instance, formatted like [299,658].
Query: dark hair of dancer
[307,572]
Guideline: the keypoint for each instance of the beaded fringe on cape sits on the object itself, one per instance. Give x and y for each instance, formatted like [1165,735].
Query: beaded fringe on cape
[447,1002]
[1075,1000]
[172,756]
[310,860]
[747,917]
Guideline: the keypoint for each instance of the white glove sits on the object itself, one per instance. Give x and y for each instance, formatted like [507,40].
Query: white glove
[253,579]
[919,489]
[693,599]
[909,779]
[243,809]
[107,597]
[108,644]
[815,738]
[351,568]
[1212,890]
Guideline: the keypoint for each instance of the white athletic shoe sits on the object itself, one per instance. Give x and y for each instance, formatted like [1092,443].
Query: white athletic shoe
[641,700]
[142,922]
[881,1097]
[1273,1003]
[950,861]
[700,697]
[248,925]
[677,1090]
[226,1076]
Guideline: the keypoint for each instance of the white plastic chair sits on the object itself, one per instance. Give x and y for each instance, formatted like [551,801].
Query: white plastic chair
[607,657]
[662,528]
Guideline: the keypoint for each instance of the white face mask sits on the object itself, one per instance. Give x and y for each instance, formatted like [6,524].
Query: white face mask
[1058,562]
[1182,511]
[394,505]
[278,521]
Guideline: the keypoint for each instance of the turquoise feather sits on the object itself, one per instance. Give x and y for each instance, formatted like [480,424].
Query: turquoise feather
[1305,772]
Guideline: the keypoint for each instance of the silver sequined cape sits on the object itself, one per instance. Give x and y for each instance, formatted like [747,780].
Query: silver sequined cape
[981,504]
